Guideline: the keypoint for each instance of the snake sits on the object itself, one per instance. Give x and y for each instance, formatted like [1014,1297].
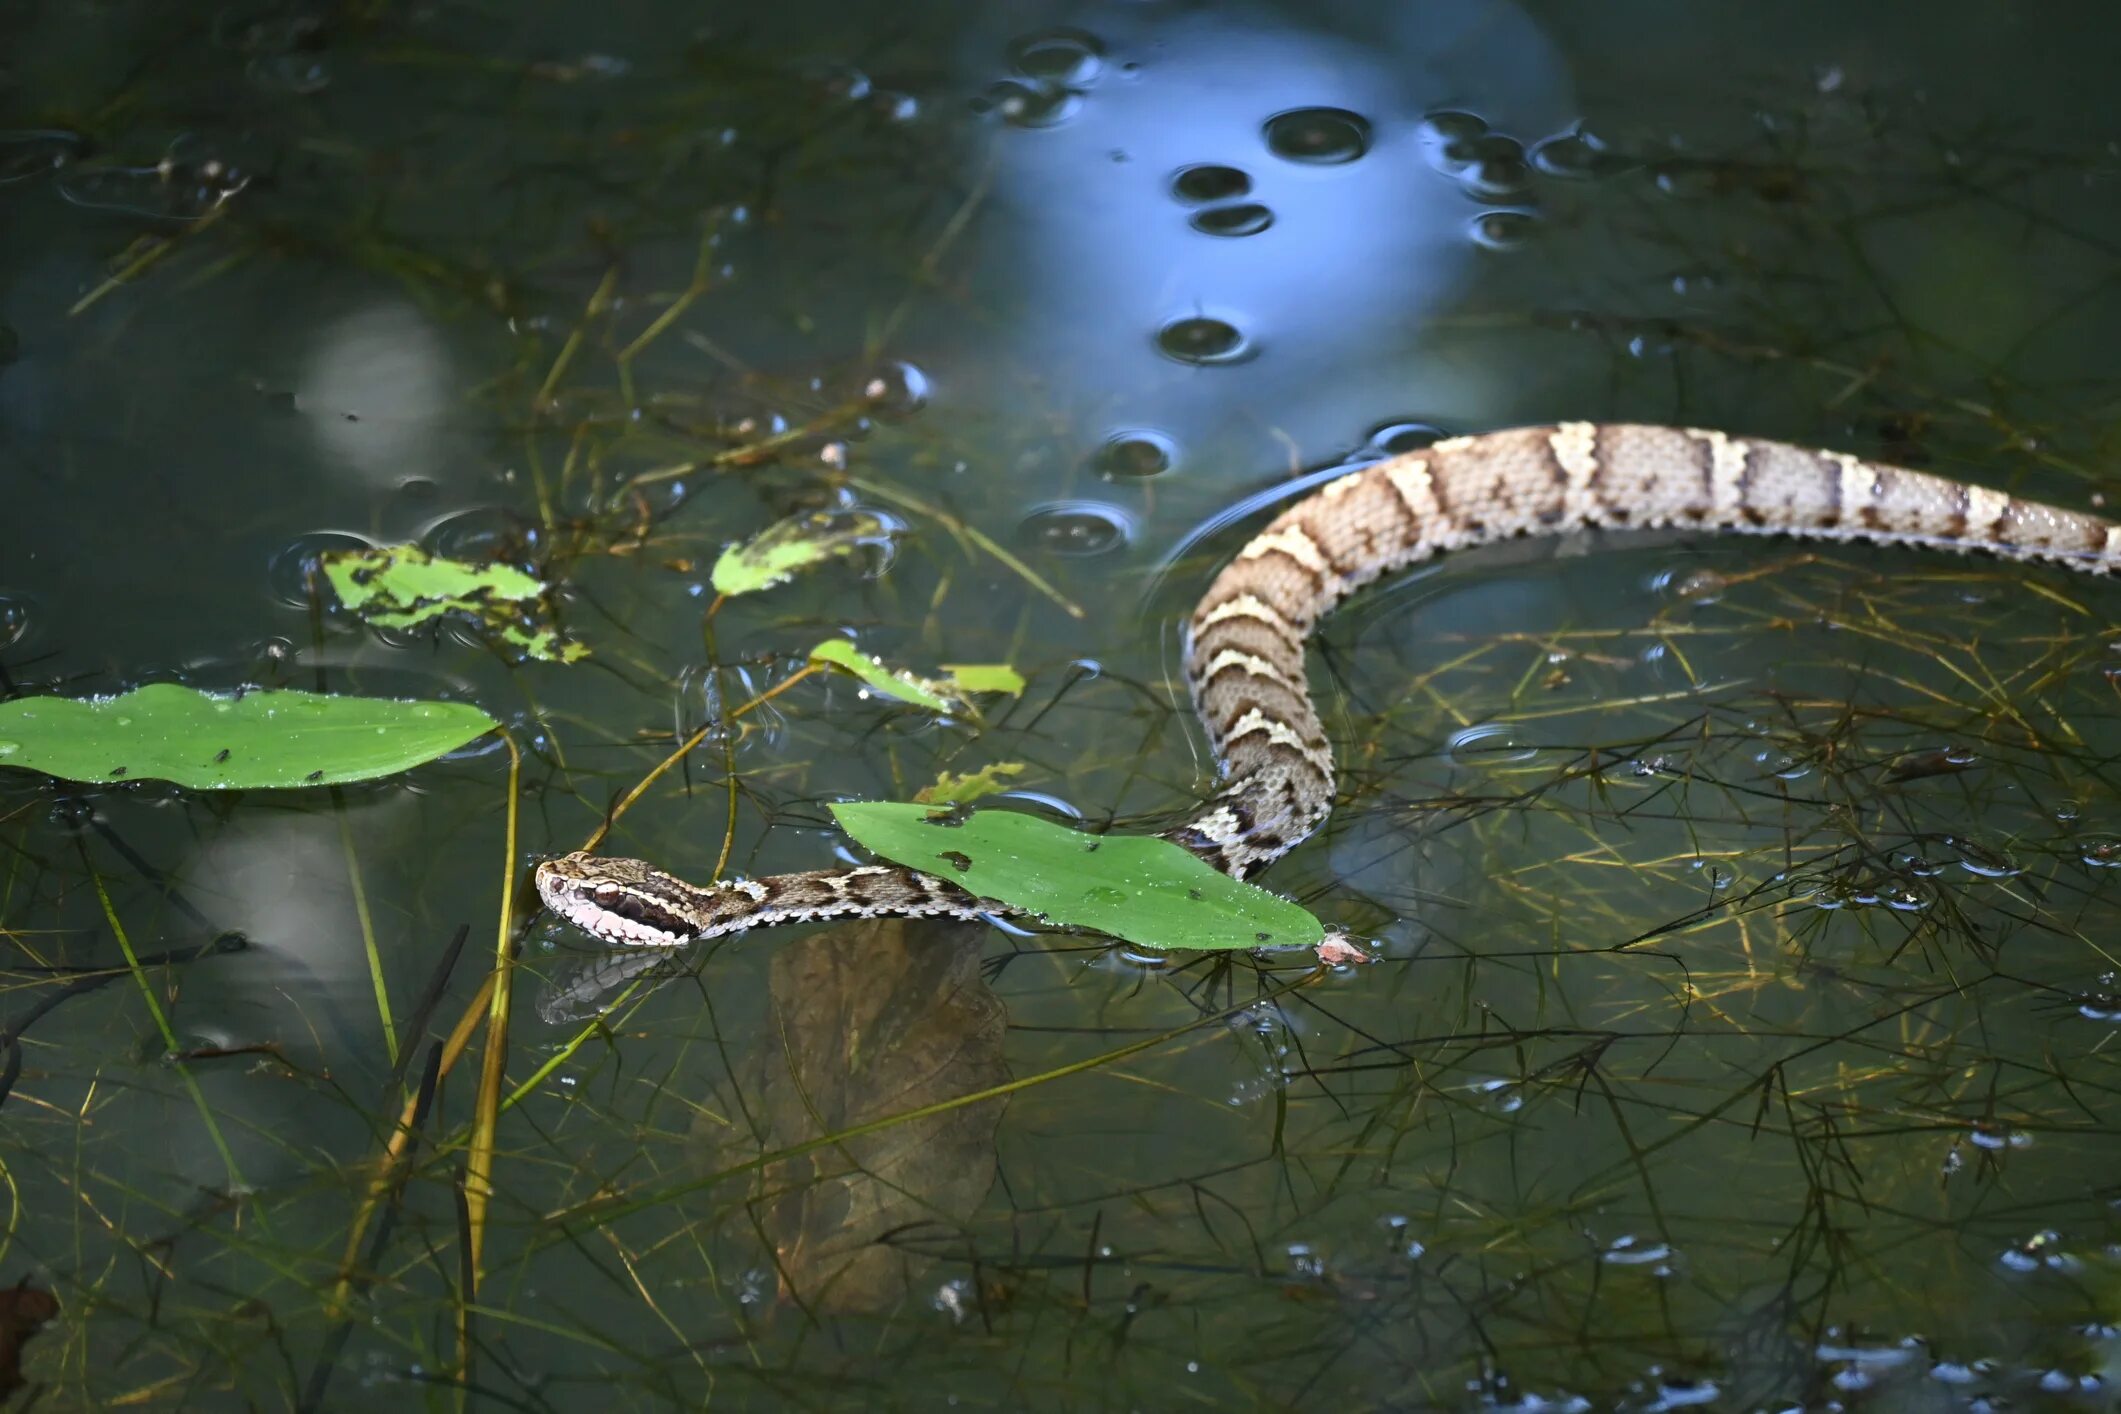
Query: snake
[1245,651]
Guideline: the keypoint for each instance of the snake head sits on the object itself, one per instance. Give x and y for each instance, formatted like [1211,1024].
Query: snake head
[624,902]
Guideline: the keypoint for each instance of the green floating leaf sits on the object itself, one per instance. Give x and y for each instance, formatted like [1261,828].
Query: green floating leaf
[402,586]
[985,677]
[1136,887]
[798,543]
[951,789]
[889,681]
[951,694]
[254,740]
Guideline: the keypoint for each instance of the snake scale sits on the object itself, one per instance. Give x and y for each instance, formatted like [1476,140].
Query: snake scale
[1245,658]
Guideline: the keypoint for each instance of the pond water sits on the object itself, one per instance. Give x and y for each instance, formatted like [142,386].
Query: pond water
[1743,1033]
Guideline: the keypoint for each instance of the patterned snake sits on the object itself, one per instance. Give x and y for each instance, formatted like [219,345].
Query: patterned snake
[1245,660]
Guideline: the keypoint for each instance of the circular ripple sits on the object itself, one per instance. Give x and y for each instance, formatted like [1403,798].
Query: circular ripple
[1244,218]
[1322,136]
[291,572]
[1202,339]
[1209,181]
[1129,456]
[1074,528]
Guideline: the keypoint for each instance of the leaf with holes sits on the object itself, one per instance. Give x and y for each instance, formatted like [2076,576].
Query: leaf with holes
[890,681]
[953,789]
[951,694]
[771,556]
[236,742]
[402,586]
[1138,888]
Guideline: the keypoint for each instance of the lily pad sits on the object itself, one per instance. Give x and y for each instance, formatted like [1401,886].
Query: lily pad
[771,556]
[402,586]
[1135,887]
[240,741]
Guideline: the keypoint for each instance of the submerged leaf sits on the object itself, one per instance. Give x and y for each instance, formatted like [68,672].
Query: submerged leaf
[1136,887]
[402,586]
[23,1311]
[798,543]
[237,742]
[952,789]
[882,1019]
[985,677]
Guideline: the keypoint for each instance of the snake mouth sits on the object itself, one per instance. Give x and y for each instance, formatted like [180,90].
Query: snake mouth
[611,912]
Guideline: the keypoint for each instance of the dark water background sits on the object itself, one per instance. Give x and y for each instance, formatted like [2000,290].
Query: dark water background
[1745,1035]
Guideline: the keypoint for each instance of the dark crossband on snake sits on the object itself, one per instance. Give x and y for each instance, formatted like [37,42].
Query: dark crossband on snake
[1245,656]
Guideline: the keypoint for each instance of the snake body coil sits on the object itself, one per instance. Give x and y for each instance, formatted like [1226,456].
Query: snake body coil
[1245,660]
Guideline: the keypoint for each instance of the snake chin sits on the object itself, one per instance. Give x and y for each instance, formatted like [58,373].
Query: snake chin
[615,901]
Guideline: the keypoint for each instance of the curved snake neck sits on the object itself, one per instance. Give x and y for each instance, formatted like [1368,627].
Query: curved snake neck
[1245,659]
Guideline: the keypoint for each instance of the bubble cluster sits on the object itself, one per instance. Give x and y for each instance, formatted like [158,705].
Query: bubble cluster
[1496,170]
[1053,68]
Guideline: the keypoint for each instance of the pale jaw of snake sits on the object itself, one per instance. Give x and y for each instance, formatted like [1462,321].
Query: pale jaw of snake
[1245,656]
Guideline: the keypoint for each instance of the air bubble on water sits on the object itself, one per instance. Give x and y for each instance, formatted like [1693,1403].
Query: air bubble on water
[1503,230]
[1696,586]
[1719,877]
[1318,136]
[1680,1392]
[1491,168]
[1203,340]
[1444,126]
[1133,454]
[1209,181]
[1025,106]
[14,620]
[1070,57]
[1245,218]
[1577,155]
[1502,1095]
[897,387]
[1628,1250]
[1488,744]
[1984,863]
[2041,1250]
[953,1298]
[1077,529]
